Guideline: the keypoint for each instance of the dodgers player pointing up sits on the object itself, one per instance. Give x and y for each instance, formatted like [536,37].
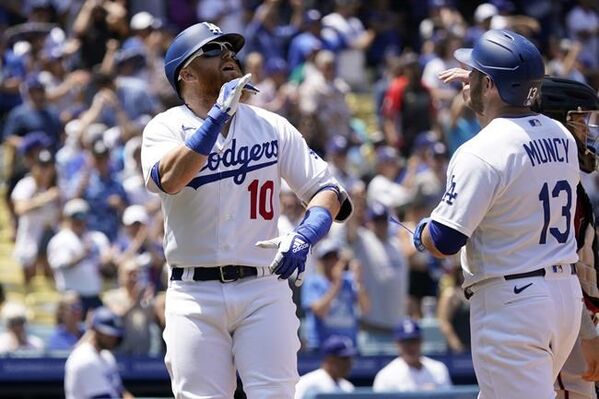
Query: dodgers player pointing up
[509,205]
[217,165]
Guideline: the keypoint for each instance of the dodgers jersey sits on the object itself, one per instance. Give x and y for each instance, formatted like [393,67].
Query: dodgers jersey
[234,199]
[512,190]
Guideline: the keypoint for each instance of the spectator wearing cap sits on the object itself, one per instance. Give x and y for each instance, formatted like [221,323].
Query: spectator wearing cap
[15,338]
[78,255]
[91,371]
[338,352]
[99,186]
[336,150]
[36,200]
[429,181]
[411,372]
[322,102]
[133,302]
[483,16]
[384,19]
[583,26]
[329,297]
[408,107]
[68,329]
[136,242]
[393,183]
[384,274]
[305,44]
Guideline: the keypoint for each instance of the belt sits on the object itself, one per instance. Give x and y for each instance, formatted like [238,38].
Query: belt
[535,273]
[224,274]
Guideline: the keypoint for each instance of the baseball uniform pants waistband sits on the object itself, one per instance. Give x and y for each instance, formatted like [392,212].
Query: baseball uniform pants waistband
[542,272]
[224,274]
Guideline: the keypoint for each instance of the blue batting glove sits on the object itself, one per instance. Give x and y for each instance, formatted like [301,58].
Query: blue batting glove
[292,252]
[417,238]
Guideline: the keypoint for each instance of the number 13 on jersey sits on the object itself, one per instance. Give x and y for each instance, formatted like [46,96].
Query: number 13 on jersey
[559,195]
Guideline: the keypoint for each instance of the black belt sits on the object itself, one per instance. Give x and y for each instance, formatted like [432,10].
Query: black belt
[535,273]
[224,274]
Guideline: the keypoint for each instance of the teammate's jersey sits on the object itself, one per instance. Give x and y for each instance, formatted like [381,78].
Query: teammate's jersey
[512,190]
[91,374]
[234,199]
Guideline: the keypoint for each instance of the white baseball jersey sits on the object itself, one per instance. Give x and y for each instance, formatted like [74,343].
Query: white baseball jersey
[397,376]
[319,381]
[512,190]
[91,374]
[234,199]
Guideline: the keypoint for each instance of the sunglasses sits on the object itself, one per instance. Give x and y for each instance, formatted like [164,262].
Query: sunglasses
[210,50]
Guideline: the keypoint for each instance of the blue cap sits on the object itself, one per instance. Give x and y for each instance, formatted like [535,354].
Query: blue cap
[406,330]
[106,322]
[32,140]
[377,211]
[33,82]
[338,345]
[337,144]
[387,154]
[275,65]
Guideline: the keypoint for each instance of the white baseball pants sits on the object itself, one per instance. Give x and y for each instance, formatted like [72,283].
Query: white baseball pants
[213,329]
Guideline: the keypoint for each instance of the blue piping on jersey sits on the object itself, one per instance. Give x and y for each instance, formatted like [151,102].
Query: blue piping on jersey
[238,175]
[448,241]
[155,175]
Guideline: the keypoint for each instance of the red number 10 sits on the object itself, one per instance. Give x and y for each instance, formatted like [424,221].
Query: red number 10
[261,199]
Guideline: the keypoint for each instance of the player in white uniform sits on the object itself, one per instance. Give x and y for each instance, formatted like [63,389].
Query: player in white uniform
[91,370]
[228,306]
[510,202]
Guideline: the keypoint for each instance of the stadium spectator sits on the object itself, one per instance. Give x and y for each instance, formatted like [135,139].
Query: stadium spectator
[392,185]
[336,364]
[412,372]
[330,298]
[68,329]
[453,312]
[15,338]
[77,255]
[132,302]
[91,370]
[337,150]
[583,26]
[385,274]
[36,200]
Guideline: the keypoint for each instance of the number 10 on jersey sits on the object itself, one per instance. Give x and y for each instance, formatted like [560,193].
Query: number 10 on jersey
[261,199]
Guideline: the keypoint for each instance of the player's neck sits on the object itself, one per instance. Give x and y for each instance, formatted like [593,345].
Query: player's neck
[503,111]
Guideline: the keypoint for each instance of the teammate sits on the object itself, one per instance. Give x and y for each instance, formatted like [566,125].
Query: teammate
[576,106]
[510,200]
[91,370]
[217,166]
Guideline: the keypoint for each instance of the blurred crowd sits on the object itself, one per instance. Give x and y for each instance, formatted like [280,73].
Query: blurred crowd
[79,79]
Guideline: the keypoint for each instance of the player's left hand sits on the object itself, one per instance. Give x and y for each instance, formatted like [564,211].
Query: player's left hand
[590,351]
[292,251]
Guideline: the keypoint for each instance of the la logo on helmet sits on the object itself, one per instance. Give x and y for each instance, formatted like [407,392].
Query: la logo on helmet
[213,28]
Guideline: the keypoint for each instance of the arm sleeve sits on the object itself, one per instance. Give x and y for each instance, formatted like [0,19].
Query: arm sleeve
[305,172]
[447,240]
[158,139]
[472,185]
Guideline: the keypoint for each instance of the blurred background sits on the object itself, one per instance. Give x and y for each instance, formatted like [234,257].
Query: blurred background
[80,79]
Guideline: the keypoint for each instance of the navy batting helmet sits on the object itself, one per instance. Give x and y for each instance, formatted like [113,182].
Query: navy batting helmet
[106,322]
[511,61]
[191,40]
[566,101]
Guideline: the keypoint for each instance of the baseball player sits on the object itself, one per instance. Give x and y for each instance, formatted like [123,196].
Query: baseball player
[91,370]
[217,165]
[509,206]
[576,106]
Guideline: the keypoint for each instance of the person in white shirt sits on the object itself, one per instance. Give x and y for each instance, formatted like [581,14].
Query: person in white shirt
[411,372]
[76,255]
[15,338]
[338,352]
[91,370]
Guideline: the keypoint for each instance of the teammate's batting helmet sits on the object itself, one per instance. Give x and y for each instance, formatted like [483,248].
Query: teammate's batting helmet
[566,101]
[511,61]
[191,40]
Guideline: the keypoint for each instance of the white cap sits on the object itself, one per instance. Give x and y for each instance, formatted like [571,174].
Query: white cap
[13,310]
[74,207]
[484,11]
[142,20]
[135,213]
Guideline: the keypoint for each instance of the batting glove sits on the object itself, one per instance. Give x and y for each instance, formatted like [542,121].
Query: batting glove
[230,93]
[292,251]
[417,238]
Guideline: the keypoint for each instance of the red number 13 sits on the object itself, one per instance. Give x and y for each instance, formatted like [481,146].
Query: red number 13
[261,200]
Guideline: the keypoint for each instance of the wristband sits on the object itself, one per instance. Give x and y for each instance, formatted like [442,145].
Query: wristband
[316,224]
[204,138]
